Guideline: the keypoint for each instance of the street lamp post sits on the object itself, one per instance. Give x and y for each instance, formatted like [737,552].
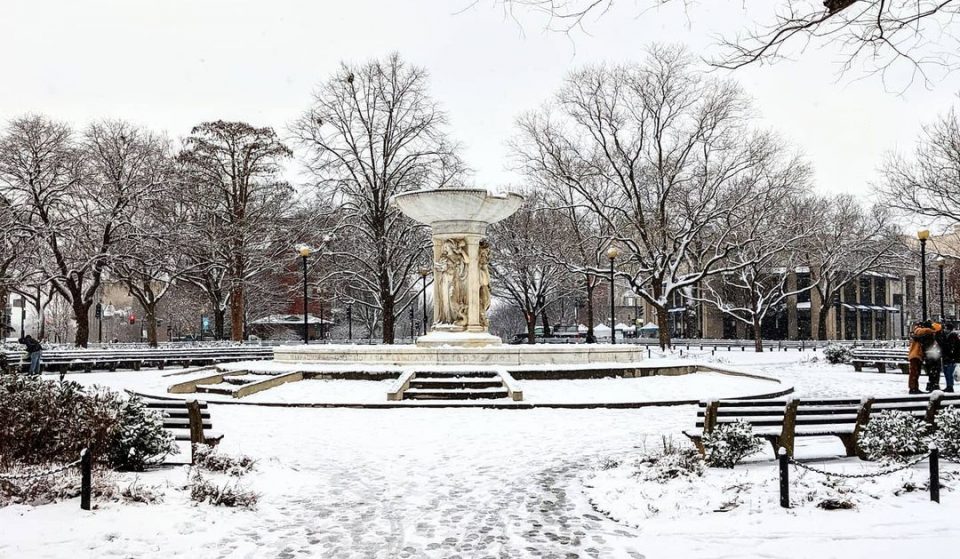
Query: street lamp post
[350,321]
[923,235]
[940,262]
[413,334]
[612,254]
[304,252]
[424,272]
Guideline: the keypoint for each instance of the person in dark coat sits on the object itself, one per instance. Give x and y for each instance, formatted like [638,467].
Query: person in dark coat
[951,354]
[921,337]
[933,355]
[35,351]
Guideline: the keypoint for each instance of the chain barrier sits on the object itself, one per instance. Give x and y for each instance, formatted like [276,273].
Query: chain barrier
[949,459]
[901,467]
[40,474]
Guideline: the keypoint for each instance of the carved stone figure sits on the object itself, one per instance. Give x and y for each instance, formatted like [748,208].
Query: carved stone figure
[483,262]
[451,266]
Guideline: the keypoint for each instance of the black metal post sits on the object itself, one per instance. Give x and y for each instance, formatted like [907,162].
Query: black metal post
[784,462]
[306,323]
[201,327]
[923,279]
[99,323]
[322,333]
[413,334]
[424,304]
[613,307]
[943,313]
[85,467]
[350,321]
[903,300]
[23,310]
[934,474]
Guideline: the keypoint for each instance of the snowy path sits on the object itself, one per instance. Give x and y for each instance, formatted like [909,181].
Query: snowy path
[465,483]
[433,484]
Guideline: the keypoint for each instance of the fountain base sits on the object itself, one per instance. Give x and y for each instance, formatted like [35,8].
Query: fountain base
[440,338]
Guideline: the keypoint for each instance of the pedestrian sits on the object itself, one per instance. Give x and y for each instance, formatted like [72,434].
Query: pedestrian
[34,350]
[932,356]
[951,354]
[917,334]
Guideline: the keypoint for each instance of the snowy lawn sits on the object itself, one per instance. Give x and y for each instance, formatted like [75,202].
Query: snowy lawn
[498,483]
[693,386]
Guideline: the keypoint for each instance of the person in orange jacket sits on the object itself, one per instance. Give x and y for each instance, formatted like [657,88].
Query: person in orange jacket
[922,338]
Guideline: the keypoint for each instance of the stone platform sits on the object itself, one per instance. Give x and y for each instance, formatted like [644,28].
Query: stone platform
[507,355]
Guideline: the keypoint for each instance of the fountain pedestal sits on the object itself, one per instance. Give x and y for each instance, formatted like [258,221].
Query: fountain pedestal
[461,287]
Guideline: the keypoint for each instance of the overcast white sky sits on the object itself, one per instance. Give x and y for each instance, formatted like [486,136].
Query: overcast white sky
[169,64]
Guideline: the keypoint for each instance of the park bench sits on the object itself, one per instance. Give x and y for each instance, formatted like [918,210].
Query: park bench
[186,420]
[781,421]
[64,360]
[881,358]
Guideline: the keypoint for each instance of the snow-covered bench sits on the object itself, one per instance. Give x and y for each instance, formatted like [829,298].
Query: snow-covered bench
[781,421]
[187,420]
[64,360]
[881,358]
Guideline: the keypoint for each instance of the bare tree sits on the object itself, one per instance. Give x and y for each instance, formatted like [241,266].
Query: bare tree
[875,33]
[759,284]
[373,131]
[146,257]
[664,159]
[77,205]
[18,255]
[928,182]
[240,201]
[521,272]
[849,240]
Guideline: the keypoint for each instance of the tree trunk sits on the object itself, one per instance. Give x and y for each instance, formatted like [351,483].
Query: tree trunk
[591,338]
[664,327]
[219,320]
[151,316]
[822,324]
[757,337]
[388,319]
[236,313]
[41,323]
[81,314]
[545,322]
[531,320]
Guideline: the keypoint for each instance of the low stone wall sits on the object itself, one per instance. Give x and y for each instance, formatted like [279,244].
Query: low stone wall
[503,355]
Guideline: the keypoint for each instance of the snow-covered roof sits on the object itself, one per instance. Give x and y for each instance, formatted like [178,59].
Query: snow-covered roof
[288,320]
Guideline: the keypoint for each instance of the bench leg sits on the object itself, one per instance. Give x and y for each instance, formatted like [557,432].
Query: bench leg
[882,367]
[775,442]
[857,367]
[849,444]
[698,442]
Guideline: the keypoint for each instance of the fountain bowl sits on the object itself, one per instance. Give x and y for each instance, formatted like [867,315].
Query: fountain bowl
[458,210]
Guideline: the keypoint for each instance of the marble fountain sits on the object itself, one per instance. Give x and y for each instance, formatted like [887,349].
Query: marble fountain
[459,335]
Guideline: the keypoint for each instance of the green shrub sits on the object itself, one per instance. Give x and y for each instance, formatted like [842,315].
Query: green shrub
[51,422]
[729,443]
[893,435]
[837,353]
[947,437]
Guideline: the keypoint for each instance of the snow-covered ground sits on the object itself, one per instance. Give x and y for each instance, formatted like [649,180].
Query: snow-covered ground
[491,483]
[340,391]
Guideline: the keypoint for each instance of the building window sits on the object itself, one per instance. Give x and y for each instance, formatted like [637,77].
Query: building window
[866,293]
[803,282]
[850,293]
[880,297]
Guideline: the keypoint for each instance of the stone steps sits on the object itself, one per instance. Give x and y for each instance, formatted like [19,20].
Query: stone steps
[455,383]
[455,394]
[207,389]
